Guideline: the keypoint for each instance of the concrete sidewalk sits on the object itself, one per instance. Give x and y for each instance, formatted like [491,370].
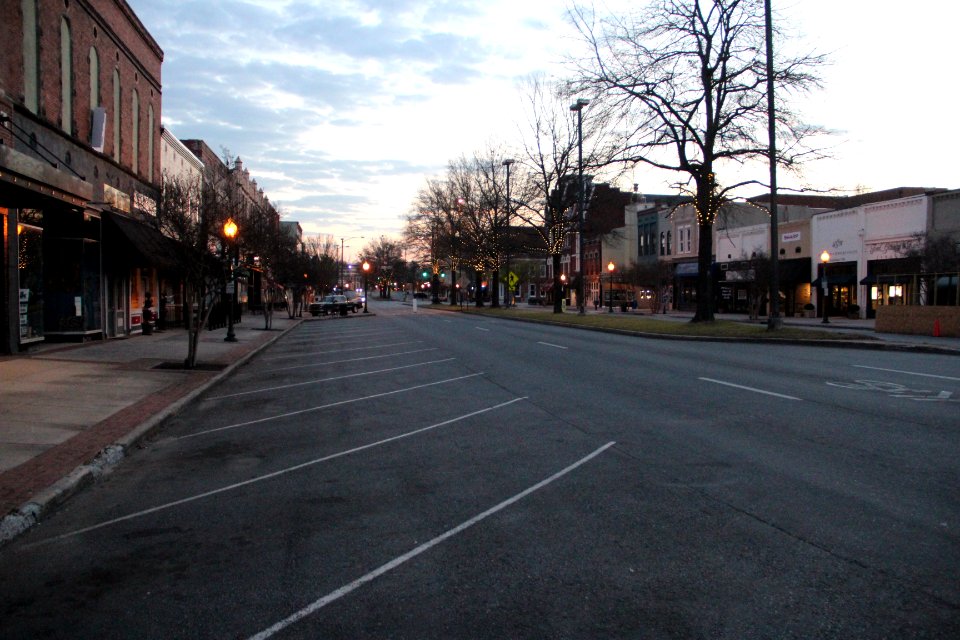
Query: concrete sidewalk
[71,410]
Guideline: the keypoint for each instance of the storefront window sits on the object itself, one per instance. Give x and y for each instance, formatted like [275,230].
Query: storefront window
[30,272]
[72,284]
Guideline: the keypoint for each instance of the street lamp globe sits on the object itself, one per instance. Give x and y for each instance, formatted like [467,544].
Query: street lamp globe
[230,228]
[825,256]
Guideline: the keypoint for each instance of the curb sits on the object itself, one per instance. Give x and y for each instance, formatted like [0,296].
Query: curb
[33,511]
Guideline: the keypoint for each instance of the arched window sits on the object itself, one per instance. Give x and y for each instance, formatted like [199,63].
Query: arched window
[31,65]
[94,78]
[116,115]
[150,125]
[66,77]
[135,131]
[663,245]
[669,242]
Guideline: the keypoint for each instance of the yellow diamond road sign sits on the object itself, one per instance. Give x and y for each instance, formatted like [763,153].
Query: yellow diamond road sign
[512,279]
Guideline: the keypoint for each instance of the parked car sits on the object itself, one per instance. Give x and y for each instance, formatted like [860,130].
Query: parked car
[355,300]
[330,304]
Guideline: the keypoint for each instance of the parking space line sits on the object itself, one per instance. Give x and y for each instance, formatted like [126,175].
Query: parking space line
[909,373]
[376,357]
[426,546]
[343,377]
[323,353]
[753,389]
[326,406]
[274,474]
[555,346]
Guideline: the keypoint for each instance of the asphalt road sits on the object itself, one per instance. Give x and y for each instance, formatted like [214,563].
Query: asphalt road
[435,475]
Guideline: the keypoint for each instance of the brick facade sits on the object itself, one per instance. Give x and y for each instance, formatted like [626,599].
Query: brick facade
[122,43]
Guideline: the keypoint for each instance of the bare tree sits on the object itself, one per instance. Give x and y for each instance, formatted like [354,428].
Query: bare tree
[432,229]
[322,255]
[197,232]
[687,83]
[386,259]
[543,192]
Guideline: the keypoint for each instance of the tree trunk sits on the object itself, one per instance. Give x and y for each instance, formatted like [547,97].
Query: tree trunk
[495,295]
[478,292]
[557,287]
[705,277]
[191,359]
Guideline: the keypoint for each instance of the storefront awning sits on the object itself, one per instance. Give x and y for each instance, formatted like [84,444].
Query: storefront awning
[837,279]
[128,242]
[883,278]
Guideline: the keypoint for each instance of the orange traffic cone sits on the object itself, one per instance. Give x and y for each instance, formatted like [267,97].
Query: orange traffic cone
[936,328]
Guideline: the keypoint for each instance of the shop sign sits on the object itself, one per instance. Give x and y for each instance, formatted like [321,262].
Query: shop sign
[116,198]
[791,237]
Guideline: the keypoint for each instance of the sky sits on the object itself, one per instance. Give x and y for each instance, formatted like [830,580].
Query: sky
[342,109]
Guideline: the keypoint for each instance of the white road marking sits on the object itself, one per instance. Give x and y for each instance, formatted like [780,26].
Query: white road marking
[755,390]
[325,406]
[322,364]
[319,380]
[426,546]
[346,334]
[275,474]
[306,354]
[909,373]
[555,346]
[482,329]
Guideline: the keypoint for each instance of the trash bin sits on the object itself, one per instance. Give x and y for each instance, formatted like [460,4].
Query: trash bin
[623,306]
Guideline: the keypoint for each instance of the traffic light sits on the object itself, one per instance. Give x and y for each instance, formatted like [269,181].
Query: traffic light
[424,274]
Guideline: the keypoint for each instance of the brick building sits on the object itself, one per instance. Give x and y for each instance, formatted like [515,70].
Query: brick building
[80,101]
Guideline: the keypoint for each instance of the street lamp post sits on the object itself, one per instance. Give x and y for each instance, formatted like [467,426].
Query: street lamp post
[509,287]
[610,268]
[230,233]
[824,259]
[774,321]
[366,294]
[455,294]
[563,287]
[578,107]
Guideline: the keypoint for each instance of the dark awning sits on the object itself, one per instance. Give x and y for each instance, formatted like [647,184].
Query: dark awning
[884,278]
[128,242]
[837,279]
